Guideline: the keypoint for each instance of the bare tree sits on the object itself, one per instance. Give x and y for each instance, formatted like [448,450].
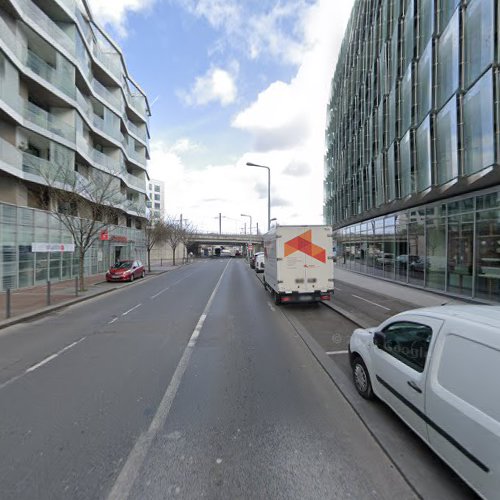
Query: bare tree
[188,230]
[175,235]
[84,202]
[156,232]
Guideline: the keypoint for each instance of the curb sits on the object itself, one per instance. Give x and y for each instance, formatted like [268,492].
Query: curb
[348,315]
[21,318]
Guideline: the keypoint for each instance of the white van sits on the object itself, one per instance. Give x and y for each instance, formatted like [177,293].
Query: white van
[438,368]
[259,262]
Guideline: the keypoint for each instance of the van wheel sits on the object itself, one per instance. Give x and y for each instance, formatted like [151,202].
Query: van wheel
[277,299]
[361,378]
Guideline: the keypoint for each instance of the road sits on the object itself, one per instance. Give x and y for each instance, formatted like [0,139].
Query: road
[188,384]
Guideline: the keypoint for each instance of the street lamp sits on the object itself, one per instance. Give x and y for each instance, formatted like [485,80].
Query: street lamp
[268,191]
[250,236]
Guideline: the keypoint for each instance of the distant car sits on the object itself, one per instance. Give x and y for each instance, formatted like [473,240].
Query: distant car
[405,260]
[438,369]
[252,259]
[126,270]
[259,262]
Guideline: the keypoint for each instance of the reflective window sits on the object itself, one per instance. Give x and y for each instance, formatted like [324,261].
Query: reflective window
[406,100]
[446,10]
[424,157]
[460,253]
[393,117]
[488,254]
[391,174]
[435,259]
[409,35]
[408,342]
[424,88]
[407,181]
[479,149]
[448,67]
[479,38]
[446,143]
[425,23]
[401,236]
[416,247]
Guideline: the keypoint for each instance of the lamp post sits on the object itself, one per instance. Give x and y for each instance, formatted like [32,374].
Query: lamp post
[250,235]
[268,191]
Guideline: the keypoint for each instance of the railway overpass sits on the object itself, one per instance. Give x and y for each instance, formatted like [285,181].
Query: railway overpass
[198,240]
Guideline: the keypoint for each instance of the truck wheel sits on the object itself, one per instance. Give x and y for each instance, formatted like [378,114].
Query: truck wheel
[277,299]
[361,378]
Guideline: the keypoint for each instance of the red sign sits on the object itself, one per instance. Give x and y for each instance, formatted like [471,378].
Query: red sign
[104,235]
[120,239]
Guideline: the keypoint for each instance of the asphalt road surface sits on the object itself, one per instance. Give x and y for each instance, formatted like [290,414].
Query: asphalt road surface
[186,385]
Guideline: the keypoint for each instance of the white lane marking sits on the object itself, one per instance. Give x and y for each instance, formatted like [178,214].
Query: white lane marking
[159,293]
[336,352]
[369,301]
[112,321]
[171,285]
[130,310]
[337,289]
[53,356]
[125,481]
[271,306]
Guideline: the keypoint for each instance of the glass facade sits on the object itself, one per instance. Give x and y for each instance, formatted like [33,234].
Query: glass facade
[20,267]
[451,246]
[413,123]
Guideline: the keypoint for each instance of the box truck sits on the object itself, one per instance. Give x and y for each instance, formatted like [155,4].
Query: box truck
[298,263]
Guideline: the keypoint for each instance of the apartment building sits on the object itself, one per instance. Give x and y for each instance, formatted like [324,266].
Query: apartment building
[413,145]
[156,193]
[66,101]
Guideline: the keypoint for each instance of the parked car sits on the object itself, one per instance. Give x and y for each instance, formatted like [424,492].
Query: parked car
[252,259]
[438,368]
[259,262]
[126,270]
[405,260]
[384,259]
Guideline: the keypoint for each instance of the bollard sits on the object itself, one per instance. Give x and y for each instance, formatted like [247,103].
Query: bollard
[76,286]
[161,262]
[48,293]
[7,303]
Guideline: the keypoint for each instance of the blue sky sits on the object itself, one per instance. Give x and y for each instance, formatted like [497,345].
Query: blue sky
[232,81]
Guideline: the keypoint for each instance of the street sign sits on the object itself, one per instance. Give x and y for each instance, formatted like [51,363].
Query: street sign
[52,247]
[250,246]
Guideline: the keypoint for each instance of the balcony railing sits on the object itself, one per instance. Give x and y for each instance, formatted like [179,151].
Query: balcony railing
[63,81]
[48,170]
[139,132]
[41,20]
[10,155]
[107,128]
[48,121]
[102,91]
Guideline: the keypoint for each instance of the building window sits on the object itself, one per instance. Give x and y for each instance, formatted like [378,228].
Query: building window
[157,188]
[479,38]
[448,67]
[446,143]
[446,10]
[425,23]
[157,197]
[406,100]
[407,181]
[157,206]
[409,34]
[479,150]
[424,156]
[391,174]
[424,88]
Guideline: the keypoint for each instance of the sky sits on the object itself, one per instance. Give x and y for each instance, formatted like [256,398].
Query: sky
[230,82]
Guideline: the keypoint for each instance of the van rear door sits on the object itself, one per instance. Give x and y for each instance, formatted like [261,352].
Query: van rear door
[463,404]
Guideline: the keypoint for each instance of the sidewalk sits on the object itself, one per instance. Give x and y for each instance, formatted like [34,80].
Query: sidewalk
[31,302]
[413,297]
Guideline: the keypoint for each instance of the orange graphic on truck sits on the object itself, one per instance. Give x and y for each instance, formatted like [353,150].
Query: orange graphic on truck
[303,243]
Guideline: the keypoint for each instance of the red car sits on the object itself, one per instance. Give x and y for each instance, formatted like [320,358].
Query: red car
[126,270]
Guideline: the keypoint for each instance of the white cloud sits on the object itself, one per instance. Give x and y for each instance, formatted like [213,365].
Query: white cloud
[216,85]
[287,124]
[114,12]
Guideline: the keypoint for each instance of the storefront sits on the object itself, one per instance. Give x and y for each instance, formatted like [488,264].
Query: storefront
[452,246]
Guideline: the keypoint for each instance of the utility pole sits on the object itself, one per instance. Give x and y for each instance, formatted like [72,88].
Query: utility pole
[220,223]
[257,228]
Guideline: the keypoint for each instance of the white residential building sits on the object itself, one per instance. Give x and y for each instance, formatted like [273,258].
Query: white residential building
[66,98]
[156,193]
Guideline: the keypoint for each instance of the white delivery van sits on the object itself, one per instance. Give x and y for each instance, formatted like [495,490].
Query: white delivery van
[298,263]
[438,368]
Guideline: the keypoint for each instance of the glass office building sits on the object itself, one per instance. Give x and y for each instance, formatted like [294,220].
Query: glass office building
[412,175]
[67,103]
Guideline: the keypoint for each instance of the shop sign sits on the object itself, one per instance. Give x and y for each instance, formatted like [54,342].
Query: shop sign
[52,247]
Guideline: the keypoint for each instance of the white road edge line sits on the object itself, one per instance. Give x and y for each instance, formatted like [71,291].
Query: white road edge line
[53,356]
[271,306]
[330,353]
[112,321]
[125,481]
[130,310]
[159,293]
[369,301]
